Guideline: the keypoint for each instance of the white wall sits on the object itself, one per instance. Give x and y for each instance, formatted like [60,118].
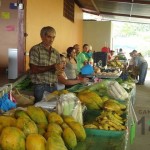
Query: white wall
[97,34]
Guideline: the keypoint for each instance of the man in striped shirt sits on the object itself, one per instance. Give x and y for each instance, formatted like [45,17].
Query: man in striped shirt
[44,63]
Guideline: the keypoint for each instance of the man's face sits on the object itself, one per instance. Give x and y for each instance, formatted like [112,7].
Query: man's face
[77,48]
[134,54]
[86,49]
[49,38]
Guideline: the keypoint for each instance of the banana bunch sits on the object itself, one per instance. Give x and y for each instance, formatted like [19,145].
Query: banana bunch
[113,105]
[109,120]
[116,63]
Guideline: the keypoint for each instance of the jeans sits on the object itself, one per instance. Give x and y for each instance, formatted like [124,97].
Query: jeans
[143,72]
[39,90]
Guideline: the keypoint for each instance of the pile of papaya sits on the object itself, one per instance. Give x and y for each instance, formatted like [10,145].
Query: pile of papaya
[36,128]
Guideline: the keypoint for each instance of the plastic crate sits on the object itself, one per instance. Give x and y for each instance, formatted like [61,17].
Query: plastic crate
[101,139]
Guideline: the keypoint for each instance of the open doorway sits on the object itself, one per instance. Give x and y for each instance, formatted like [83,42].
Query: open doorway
[130,36]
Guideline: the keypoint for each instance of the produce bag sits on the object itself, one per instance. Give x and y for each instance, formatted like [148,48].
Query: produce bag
[87,70]
[6,104]
[68,104]
[116,91]
[22,99]
[47,96]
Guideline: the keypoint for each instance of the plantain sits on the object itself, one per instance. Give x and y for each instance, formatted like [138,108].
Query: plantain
[114,125]
[92,126]
[105,126]
[100,127]
[117,116]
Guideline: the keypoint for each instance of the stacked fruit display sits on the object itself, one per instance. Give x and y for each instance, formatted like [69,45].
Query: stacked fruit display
[112,113]
[115,64]
[110,118]
[36,128]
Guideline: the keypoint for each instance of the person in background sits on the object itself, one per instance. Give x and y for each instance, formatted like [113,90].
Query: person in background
[44,64]
[141,64]
[63,81]
[133,71]
[120,52]
[71,63]
[111,55]
[105,49]
[121,55]
[90,55]
[82,58]
[77,48]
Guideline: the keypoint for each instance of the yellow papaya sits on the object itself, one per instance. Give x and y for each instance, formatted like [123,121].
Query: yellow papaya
[21,113]
[90,99]
[36,114]
[69,138]
[78,130]
[12,138]
[7,121]
[35,142]
[55,142]
[54,127]
[68,119]
[55,118]
[26,125]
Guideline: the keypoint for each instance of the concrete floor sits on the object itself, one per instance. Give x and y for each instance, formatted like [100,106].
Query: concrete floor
[142,109]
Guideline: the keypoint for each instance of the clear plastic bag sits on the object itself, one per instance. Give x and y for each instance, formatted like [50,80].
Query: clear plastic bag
[47,96]
[69,104]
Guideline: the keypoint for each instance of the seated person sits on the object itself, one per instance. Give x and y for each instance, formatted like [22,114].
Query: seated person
[62,78]
[71,63]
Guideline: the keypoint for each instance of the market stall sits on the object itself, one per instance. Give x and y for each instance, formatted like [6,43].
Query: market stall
[95,135]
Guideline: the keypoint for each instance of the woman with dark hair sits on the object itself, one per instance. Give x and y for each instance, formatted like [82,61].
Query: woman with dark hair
[71,64]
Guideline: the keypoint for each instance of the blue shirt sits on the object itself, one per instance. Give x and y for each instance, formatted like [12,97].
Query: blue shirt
[139,60]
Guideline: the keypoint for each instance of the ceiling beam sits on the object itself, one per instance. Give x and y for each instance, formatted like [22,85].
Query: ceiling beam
[125,15]
[115,14]
[130,1]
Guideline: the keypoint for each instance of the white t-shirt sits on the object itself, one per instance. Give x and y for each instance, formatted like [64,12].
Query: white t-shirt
[61,86]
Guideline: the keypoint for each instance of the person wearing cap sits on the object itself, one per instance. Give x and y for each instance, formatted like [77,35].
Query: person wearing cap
[63,81]
[71,63]
[142,65]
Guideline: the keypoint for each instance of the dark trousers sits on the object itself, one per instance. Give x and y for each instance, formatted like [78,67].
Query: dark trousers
[39,90]
[143,72]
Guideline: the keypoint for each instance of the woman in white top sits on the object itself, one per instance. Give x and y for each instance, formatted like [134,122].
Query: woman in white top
[62,78]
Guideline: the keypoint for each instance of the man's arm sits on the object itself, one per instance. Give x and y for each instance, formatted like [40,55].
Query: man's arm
[35,69]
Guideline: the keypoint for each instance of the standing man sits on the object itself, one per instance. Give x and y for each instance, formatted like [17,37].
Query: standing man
[44,64]
[142,65]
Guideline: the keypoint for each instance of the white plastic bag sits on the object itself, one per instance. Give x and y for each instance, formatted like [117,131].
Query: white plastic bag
[69,104]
